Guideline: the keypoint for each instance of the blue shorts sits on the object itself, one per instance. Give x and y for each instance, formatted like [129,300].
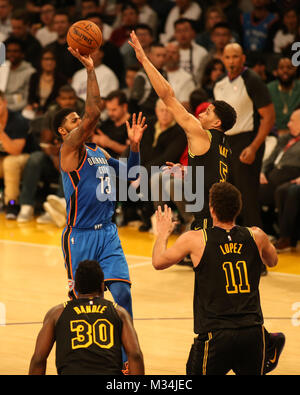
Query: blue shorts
[102,245]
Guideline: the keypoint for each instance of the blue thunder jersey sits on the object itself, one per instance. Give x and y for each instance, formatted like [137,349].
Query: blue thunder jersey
[90,191]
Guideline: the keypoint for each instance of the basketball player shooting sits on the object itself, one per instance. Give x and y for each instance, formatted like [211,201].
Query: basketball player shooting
[86,171]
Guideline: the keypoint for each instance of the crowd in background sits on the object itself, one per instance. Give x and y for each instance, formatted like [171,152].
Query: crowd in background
[185,41]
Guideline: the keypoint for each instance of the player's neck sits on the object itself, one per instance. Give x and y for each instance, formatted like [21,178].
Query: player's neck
[224,225]
[90,296]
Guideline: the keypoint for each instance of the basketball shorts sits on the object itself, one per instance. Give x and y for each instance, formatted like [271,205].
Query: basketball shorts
[102,245]
[216,353]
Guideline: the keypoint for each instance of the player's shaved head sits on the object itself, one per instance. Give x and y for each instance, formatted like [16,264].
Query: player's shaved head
[233,59]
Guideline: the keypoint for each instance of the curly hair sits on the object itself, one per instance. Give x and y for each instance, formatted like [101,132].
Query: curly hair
[88,277]
[226,201]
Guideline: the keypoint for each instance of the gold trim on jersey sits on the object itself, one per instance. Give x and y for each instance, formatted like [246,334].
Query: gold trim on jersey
[209,136]
[206,353]
[204,235]
[264,351]
[251,233]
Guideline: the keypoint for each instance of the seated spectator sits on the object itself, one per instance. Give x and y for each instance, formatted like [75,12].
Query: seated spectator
[129,15]
[112,56]
[5,21]
[192,55]
[287,32]
[13,155]
[232,13]
[46,34]
[213,15]
[285,93]
[107,79]
[213,70]
[143,96]
[181,81]
[44,84]
[221,35]
[147,15]
[282,165]
[112,133]
[44,163]
[15,74]
[20,29]
[182,9]
[287,199]
[164,141]
[90,8]
[259,65]
[66,62]
[256,26]
[130,75]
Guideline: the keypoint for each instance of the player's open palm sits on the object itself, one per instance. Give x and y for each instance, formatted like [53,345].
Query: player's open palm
[164,221]
[136,130]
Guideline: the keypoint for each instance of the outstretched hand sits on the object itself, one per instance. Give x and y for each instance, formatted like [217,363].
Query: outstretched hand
[136,45]
[86,60]
[164,221]
[136,130]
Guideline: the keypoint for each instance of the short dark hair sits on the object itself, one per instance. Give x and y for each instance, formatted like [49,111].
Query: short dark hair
[117,94]
[221,25]
[226,114]
[15,41]
[180,21]
[226,201]
[88,277]
[144,26]
[59,118]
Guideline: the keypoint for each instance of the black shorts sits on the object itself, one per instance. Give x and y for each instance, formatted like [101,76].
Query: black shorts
[216,353]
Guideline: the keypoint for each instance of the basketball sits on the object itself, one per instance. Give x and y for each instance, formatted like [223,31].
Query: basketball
[84,36]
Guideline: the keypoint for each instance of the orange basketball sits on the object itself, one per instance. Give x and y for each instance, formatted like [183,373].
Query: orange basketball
[84,35]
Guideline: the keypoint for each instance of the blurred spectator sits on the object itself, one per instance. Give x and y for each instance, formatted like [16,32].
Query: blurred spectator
[13,155]
[130,75]
[43,165]
[66,62]
[197,97]
[214,69]
[145,35]
[46,34]
[182,9]
[44,84]
[259,65]
[283,164]
[285,93]
[287,199]
[213,15]
[91,8]
[20,29]
[143,96]
[164,141]
[147,15]
[286,33]
[107,79]
[129,19]
[249,96]
[192,55]
[112,56]
[15,75]
[232,13]
[181,81]
[221,35]
[5,21]
[256,26]
[112,133]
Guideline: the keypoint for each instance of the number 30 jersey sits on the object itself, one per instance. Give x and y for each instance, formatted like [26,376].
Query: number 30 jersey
[226,293]
[89,191]
[88,338]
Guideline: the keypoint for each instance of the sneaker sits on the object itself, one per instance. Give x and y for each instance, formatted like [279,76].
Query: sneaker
[12,210]
[44,219]
[59,204]
[283,244]
[25,214]
[57,217]
[273,354]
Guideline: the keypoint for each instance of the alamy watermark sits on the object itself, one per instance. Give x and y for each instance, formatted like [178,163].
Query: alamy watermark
[154,184]
[2,54]
[296,55]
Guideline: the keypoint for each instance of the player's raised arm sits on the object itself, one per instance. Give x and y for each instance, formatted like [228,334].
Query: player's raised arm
[92,105]
[187,121]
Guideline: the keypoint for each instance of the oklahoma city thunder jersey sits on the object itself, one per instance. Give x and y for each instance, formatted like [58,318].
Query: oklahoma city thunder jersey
[89,190]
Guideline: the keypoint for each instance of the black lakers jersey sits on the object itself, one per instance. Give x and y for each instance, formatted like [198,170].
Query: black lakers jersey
[216,166]
[88,338]
[226,293]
